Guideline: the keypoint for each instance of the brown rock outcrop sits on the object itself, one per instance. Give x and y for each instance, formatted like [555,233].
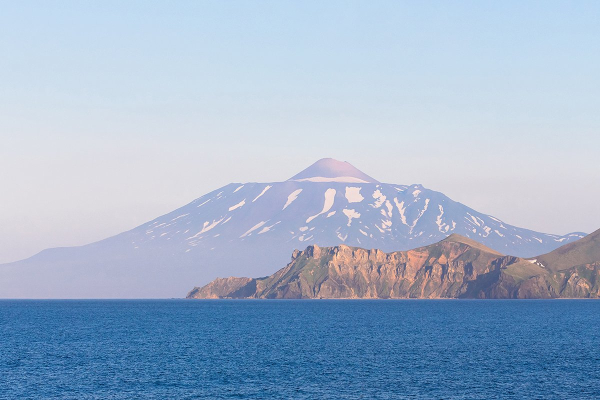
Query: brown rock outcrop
[456,267]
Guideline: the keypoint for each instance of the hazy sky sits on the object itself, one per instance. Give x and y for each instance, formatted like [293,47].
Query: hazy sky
[112,113]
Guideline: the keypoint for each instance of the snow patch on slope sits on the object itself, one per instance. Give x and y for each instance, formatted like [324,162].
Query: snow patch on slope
[389,207]
[263,192]
[353,194]
[268,228]
[238,205]
[200,205]
[205,228]
[379,198]
[181,216]
[255,227]
[293,196]
[401,210]
[439,222]
[329,199]
[351,213]
[420,215]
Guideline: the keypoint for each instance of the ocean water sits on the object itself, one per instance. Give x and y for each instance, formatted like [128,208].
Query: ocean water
[325,349]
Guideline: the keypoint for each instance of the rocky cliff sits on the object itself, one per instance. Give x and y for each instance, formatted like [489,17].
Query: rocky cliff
[456,267]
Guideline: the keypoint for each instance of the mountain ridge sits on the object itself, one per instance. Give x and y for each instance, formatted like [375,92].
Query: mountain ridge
[251,228]
[450,268]
[581,252]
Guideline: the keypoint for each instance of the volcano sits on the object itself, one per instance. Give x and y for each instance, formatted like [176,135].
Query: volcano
[250,229]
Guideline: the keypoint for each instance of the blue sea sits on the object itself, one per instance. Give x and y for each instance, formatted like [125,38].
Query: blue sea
[300,349]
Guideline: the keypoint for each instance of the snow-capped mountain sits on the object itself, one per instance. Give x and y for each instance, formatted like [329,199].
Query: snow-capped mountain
[251,229]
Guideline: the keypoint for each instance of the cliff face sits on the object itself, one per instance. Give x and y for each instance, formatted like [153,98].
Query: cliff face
[453,268]
[576,282]
[225,287]
[571,271]
[442,270]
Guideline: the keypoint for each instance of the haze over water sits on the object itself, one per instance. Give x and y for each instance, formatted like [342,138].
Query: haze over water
[419,349]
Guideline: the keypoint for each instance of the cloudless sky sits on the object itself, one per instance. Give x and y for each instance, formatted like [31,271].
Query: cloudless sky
[112,112]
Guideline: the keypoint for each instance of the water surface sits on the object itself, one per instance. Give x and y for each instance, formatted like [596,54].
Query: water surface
[325,349]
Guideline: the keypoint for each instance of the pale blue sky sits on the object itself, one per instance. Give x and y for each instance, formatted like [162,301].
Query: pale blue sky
[112,113]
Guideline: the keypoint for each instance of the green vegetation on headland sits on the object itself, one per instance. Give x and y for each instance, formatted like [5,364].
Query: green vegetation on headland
[456,267]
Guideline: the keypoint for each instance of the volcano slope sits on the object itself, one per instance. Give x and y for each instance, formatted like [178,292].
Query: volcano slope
[250,229]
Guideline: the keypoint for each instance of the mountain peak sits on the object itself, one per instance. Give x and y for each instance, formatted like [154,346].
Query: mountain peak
[330,170]
[456,238]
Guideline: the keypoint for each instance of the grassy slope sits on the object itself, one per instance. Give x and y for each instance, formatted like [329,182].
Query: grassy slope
[584,251]
[456,238]
[523,270]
